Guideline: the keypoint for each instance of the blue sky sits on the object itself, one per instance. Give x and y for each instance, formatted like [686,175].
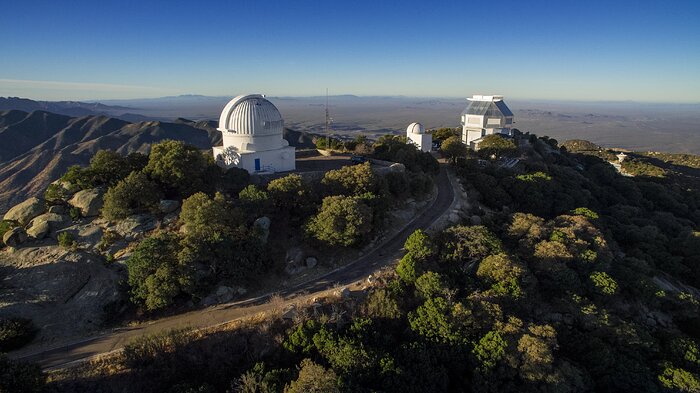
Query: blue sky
[574,50]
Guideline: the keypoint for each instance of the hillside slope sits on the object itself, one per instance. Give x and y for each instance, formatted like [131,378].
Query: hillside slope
[42,145]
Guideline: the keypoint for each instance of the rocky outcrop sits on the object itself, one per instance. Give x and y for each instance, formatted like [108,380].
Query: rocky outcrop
[38,230]
[64,292]
[45,224]
[14,237]
[311,262]
[168,206]
[25,211]
[223,294]
[134,227]
[88,201]
[262,228]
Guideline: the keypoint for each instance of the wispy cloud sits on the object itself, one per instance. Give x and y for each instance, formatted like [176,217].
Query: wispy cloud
[76,86]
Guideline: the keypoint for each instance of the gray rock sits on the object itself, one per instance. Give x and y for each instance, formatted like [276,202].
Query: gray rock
[475,220]
[25,211]
[262,226]
[88,201]
[292,268]
[343,293]
[90,234]
[54,221]
[133,227]
[290,314]
[169,219]
[225,294]
[57,209]
[39,229]
[295,255]
[168,206]
[397,167]
[14,237]
[311,262]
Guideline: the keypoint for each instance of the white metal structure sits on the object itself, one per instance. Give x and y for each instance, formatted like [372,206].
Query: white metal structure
[252,129]
[485,115]
[417,135]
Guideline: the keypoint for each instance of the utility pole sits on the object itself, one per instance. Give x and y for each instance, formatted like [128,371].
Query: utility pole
[328,121]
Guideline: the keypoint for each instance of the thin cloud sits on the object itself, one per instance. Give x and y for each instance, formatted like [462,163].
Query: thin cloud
[78,86]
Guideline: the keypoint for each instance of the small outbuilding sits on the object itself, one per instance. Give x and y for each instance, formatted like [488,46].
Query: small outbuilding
[253,129]
[416,134]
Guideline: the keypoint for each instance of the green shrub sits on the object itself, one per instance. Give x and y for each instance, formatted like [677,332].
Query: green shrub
[586,212]
[20,377]
[67,240]
[75,213]
[156,276]
[181,169]
[381,304]
[15,333]
[603,283]
[497,145]
[398,184]
[55,194]
[342,221]
[254,200]
[350,180]
[143,350]
[6,225]
[453,148]
[135,194]
[420,184]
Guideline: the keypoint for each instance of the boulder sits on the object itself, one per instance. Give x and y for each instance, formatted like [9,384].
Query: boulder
[397,167]
[290,314]
[88,201]
[343,293]
[262,227]
[311,262]
[168,206]
[14,237]
[25,211]
[133,227]
[475,220]
[225,294]
[39,229]
[53,220]
[222,294]
[295,255]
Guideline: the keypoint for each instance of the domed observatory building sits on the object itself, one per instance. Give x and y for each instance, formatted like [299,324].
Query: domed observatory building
[417,135]
[485,115]
[252,129]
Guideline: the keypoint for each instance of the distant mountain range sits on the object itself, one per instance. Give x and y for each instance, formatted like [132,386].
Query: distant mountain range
[39,146]
[70,108]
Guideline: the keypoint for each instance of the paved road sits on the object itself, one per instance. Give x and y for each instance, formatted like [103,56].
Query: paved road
[386,253]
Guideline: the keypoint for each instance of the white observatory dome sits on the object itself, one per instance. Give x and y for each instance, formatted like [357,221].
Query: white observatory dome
[251,115]
[415,128]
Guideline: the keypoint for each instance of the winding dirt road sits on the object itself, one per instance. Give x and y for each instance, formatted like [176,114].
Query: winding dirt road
[386,253]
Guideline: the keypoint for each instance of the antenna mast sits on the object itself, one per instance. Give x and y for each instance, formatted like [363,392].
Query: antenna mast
[328,122]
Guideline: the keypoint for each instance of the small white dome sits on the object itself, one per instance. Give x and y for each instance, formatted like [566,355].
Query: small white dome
[415,128]
[251,114]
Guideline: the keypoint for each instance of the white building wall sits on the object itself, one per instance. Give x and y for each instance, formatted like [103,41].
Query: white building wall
[279,160]
[424,142]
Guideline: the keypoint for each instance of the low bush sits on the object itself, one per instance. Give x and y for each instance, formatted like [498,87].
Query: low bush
[15,333]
